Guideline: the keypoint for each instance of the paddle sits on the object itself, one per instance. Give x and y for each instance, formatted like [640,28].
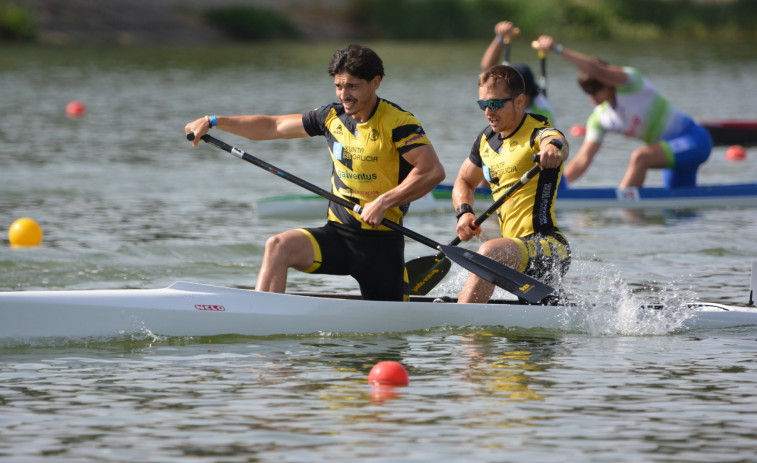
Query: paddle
[490,270]
[507,41]
[426,272]
[543,77]
[543,62]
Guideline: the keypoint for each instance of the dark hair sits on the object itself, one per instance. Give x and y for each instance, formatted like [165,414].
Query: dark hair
[508,75]
[528,79]
[358,61]
[588,82]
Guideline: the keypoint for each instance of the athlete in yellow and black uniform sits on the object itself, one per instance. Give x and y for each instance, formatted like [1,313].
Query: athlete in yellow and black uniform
[367,161]
[367,157]
[501,154]
[503,162]
[382,160]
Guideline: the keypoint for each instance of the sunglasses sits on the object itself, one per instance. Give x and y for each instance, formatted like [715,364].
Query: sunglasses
[495,104]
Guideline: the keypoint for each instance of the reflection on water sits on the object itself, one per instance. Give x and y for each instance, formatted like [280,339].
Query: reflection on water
[505,373]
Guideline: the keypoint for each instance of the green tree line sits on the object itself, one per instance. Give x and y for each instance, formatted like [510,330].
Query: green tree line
[578,19]
[621,20]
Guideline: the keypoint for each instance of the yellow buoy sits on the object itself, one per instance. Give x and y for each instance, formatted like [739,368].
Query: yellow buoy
[25,232]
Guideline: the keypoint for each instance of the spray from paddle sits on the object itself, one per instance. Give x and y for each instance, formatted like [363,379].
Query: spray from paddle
[613,308]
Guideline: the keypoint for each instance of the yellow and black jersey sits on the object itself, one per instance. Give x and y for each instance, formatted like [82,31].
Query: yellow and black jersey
[367,156]
[530,209]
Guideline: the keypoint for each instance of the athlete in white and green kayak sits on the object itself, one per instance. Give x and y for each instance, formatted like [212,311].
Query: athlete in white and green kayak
[627,103]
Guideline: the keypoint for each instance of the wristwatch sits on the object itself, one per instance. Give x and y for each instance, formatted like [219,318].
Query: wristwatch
[557,143]
[463,209]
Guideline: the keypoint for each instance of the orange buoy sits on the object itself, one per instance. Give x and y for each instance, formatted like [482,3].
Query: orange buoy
[578,130]
[75,109]
[25,232]
[735,153]
[388,373]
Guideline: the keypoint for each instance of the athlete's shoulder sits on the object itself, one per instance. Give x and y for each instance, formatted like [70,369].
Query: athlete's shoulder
[389,106]
[487,133]
[634,83]
[322,112]
[314,121]
[539,119]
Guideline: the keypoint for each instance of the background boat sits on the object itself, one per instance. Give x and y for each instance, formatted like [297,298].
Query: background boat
[728,132]
[650,198]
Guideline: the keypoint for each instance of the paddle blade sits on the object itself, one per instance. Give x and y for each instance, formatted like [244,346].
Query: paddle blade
[426,272]
[501,275]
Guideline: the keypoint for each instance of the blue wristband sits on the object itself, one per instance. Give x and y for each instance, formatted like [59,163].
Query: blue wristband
[500,39]
[213,122]
[558,48]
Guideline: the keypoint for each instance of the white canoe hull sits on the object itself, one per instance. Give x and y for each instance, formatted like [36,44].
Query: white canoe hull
[189,309]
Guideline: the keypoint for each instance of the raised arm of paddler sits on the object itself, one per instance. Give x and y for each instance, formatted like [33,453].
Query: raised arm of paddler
[504,33]
[605,73]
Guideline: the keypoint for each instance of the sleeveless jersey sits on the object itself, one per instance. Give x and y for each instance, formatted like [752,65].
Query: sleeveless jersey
[531,208]
[366,157]
[640,111]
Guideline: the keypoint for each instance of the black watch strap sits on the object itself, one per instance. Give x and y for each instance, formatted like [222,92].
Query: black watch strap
[557,143]
[463,209]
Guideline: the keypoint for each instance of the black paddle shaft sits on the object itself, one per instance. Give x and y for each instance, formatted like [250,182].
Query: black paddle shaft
[311,187]
[498,203]
[543,79]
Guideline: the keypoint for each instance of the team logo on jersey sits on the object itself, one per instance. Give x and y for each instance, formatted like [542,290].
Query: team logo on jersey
[513,145]
[488,175]
[373,135]
[419,133]
[337,150]
[361,178]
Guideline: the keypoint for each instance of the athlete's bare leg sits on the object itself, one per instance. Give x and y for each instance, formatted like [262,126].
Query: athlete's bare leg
[291,249]
[503,250]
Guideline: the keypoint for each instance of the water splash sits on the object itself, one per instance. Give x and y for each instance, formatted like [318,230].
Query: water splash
[601,302]
[612,307]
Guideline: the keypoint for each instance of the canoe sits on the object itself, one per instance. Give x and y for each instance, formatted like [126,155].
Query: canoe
[727,132]
[732,132]
[702,196]
[439,200]
[192,309]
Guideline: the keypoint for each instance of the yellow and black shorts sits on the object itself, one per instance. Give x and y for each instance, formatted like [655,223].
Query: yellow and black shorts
[544,256]
[376,259]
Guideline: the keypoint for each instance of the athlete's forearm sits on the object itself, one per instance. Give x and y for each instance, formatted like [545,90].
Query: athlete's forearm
[262,127]
[581,162]
[417,184]
[492,54]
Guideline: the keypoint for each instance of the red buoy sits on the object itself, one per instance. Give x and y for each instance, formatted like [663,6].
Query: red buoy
[735,153]
[388,373]
[75,109]
[578,130]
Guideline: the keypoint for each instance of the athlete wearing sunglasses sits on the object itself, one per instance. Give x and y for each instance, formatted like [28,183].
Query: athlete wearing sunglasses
[502,153]
[495,104]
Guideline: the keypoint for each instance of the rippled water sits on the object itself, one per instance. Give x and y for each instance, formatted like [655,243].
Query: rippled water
[125,202]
